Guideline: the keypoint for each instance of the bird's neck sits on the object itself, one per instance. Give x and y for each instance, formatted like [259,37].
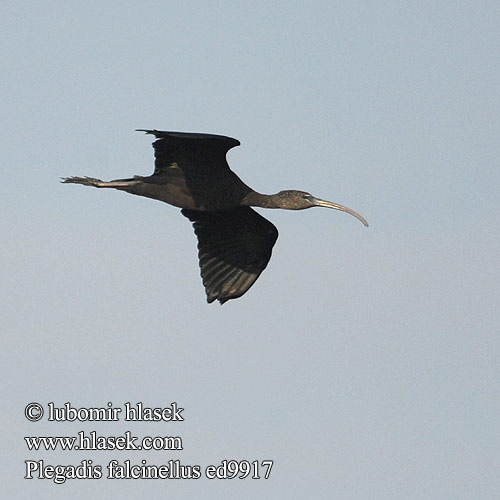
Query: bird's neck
[254,199]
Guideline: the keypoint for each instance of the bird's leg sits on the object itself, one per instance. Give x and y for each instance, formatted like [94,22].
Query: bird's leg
[90,181]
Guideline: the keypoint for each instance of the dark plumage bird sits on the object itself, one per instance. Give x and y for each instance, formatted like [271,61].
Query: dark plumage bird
[234,241]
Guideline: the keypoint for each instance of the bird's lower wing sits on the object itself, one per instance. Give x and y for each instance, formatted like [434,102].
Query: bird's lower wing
[234,247]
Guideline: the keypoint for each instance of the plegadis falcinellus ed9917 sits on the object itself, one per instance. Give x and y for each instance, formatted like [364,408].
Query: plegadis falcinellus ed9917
[234,241]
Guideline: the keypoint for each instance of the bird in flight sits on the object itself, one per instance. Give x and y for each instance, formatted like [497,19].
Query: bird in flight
[234,241]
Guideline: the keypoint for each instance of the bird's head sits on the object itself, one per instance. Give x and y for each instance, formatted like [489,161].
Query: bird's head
[300,200]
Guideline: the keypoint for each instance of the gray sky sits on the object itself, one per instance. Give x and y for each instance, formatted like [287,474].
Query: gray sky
[364,362]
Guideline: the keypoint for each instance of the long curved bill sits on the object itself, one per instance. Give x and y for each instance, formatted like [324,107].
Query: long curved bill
[336,206]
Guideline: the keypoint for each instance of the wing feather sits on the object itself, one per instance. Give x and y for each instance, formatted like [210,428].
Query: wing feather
[198,162]
[234,247]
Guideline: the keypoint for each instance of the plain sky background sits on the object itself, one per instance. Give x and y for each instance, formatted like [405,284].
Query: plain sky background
[365,361]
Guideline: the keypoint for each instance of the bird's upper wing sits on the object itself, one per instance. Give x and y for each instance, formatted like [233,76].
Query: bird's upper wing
[200,159]
[206,150]
[234,247]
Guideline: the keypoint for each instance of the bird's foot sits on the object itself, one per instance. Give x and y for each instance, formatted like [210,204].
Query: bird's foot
[86,181]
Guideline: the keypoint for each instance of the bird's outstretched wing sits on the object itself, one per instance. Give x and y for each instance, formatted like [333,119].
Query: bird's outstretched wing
[234,247]
[198,161]
[203,149]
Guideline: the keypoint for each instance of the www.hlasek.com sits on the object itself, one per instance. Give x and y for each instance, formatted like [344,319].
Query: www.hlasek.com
[93,442]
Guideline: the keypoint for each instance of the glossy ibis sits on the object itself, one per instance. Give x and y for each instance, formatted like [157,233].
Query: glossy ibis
[234,241]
